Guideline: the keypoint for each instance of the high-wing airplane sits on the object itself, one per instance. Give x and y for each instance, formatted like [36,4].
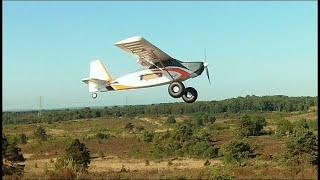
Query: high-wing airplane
[159,69]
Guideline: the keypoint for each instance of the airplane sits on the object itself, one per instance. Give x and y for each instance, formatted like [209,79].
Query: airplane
[159,69]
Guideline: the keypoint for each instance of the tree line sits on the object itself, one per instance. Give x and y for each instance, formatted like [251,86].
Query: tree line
[234,105]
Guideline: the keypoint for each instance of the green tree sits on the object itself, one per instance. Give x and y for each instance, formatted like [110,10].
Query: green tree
[259,123]
[246,126]
[302,147]
[251,126]
[79,153]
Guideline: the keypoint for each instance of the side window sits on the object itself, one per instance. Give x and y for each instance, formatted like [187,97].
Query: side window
[150,76]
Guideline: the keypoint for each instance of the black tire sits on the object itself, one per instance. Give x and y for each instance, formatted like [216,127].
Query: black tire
[190,95]
[176,89]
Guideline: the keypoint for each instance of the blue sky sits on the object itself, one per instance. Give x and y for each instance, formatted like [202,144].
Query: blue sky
[260,48]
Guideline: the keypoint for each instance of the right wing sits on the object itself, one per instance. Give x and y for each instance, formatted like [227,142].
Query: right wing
[147,53]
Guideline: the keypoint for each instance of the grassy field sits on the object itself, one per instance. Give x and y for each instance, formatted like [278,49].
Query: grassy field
[128,150]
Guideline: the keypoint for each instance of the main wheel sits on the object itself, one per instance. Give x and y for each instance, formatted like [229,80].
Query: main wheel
[190,95]
[94,95]
[176,89]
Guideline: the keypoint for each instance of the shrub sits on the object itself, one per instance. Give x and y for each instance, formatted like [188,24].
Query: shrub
[148,136]
[11,157]
[147,162]
[238,151]
[251,126]
[101,136]
[171,120]
[4,144]
[207,163]
[13,153]
[78,153]
[284,127]
[65,168]
[204,149]
[40,133]
[302,147]
[221,174]
[201,119]
[185,139]
[129,127]
[21,138]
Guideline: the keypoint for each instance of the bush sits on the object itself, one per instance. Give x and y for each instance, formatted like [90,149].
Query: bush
[171,120]
[21,138]
[201,119]
[148,136]
[40,133]
[251,126]
[221,174]
[207,163]
[129,127]
[4,144]
[302,147]
[13,153]
[185,139]
[284,127]
[101,136]
[237,151]
[11,157]
[78,153]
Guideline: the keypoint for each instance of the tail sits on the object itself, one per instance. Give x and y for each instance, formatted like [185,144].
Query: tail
[99,77]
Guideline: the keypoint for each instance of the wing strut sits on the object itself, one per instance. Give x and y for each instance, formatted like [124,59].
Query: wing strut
[166,70]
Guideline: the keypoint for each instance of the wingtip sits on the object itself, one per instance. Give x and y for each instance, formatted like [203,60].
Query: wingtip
[130,39]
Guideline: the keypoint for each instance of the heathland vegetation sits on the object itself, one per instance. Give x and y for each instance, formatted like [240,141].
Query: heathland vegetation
[246,137]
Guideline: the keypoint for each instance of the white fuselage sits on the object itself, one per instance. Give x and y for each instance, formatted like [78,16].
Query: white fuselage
[151,77]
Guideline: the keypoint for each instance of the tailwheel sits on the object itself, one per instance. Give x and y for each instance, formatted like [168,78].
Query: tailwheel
[176,89]
[190,95]
[94,95]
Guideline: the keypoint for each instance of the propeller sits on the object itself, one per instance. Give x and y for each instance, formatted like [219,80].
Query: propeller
[205,64]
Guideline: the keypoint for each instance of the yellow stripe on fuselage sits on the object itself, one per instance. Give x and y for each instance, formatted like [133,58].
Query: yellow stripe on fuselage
[121,87]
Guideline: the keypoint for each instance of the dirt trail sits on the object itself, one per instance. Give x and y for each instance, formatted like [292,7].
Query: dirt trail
[114,164]
[107,165]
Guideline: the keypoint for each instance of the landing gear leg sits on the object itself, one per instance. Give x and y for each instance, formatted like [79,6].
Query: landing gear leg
[94,95]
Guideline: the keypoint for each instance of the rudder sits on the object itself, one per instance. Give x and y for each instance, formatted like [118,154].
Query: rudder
[99,71]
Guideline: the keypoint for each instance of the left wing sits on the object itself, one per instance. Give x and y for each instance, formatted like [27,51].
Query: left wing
[147,53]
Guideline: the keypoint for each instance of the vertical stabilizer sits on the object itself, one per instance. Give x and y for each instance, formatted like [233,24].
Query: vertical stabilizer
[99,71]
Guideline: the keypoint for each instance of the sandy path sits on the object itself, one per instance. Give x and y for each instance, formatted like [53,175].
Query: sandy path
[107,165]
[114,164]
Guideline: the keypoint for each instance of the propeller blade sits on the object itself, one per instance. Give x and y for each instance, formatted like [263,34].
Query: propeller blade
[207,71]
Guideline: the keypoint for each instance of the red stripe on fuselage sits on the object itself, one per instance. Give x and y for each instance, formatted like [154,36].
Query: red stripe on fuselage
[183,73]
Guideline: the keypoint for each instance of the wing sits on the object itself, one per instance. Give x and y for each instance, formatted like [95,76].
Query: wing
[147,53]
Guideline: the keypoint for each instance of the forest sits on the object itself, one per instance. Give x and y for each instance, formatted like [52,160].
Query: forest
[252,103]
